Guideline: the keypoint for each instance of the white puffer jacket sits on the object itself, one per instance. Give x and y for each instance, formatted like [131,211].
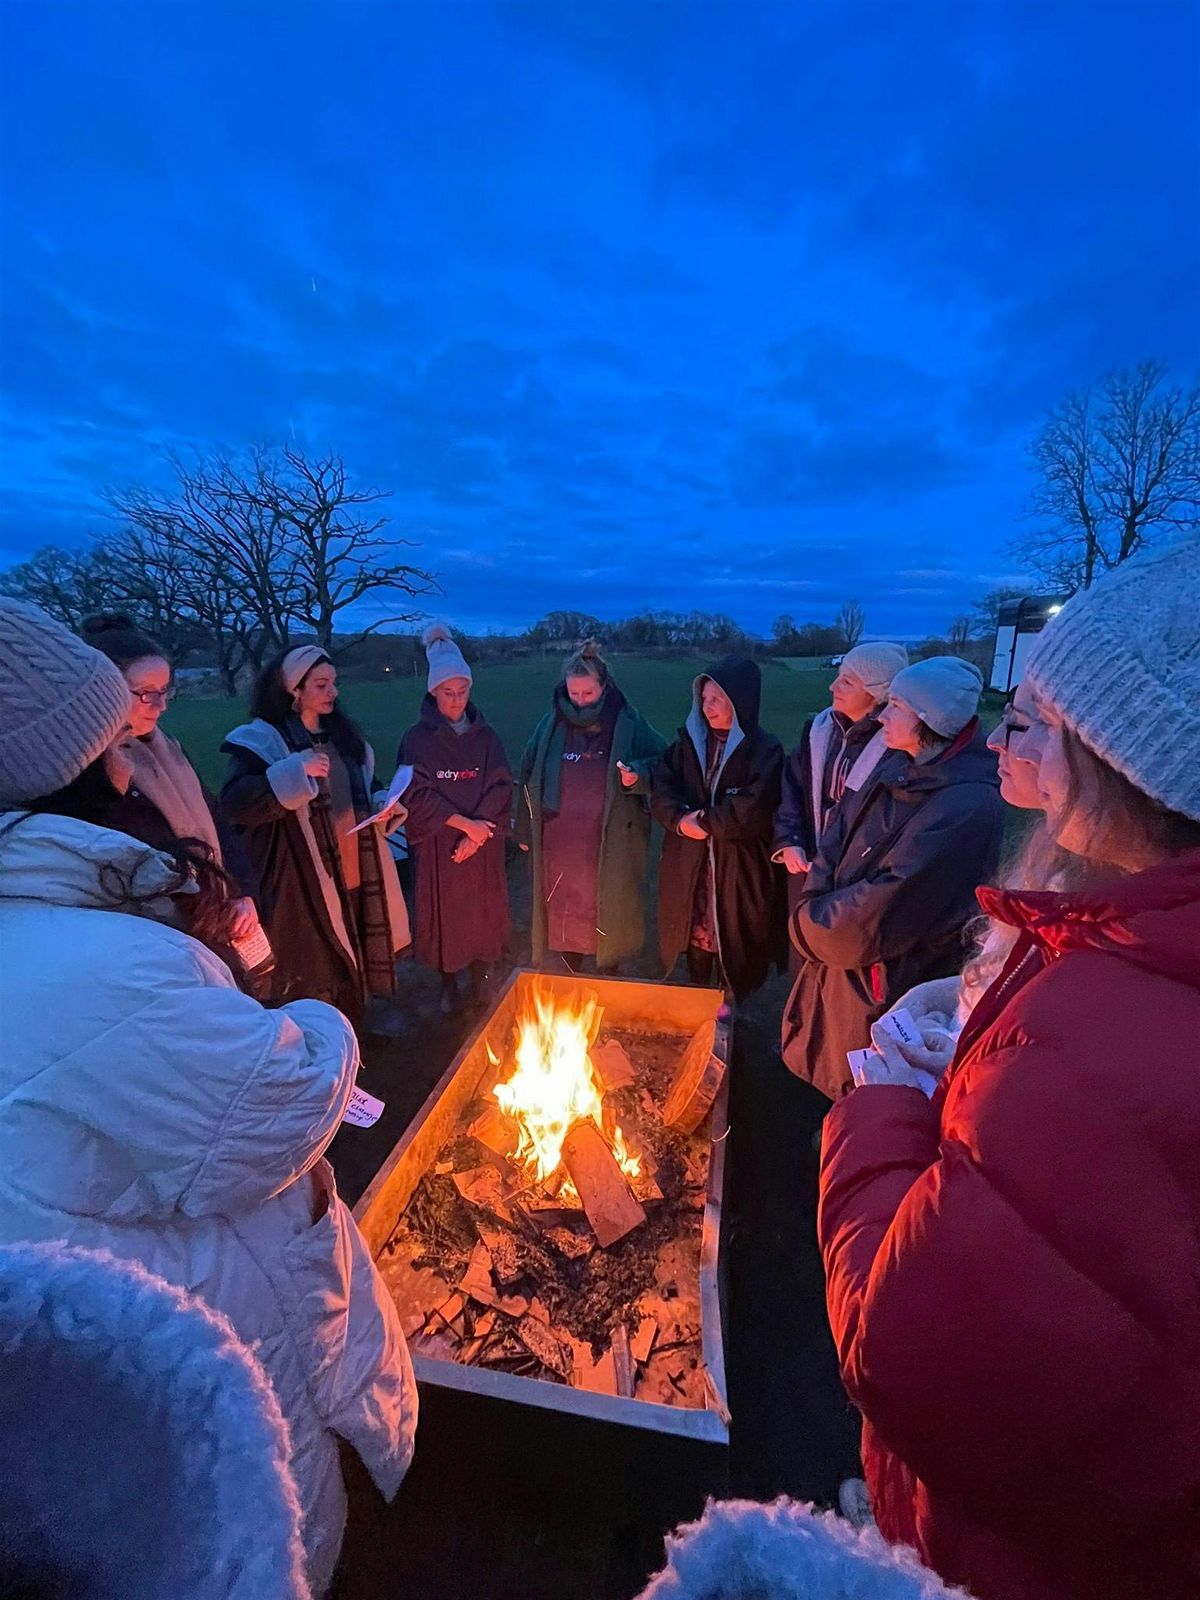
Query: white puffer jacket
[148,1107]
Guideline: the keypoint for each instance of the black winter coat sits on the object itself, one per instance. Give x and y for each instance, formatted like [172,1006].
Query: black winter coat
[461,909]
[749,894]
[886,901]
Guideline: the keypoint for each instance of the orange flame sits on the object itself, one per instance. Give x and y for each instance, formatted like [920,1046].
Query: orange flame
[553,1084]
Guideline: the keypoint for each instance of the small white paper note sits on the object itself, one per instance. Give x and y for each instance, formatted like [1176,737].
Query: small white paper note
[858,1060]
[901,1027]
[404,776]
[364,1110]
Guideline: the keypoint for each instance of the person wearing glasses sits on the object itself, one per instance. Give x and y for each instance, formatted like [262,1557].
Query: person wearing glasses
[162,797]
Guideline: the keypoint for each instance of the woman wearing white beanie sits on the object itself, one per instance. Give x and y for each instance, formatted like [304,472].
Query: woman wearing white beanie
[458,805]
[838,750]
[894,881]
[150,1108]
[1010,1252]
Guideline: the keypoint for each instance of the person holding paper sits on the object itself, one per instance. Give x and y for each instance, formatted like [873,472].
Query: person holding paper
[151,1109]
[1010,1261]
[458,806]
[299,781]
[894,882]
[583,816]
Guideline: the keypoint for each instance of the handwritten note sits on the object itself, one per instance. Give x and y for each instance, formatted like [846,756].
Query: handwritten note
[364,1110]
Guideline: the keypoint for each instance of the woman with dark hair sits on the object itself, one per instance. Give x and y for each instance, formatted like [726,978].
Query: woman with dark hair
[893,885]
[1010,1245]
[162,798]
[150,1109]
[716,791]
[458,805]
[583,815]
[299,783]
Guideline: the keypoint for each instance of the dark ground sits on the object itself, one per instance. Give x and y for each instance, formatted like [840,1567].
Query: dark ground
[494,1510]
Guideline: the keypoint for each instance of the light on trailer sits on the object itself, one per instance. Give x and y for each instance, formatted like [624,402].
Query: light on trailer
[1053,611]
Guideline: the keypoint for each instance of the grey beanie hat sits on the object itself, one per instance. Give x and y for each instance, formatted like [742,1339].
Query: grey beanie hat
[446,660]
[61,703]
[943,690]
[875,664]
[1121,663]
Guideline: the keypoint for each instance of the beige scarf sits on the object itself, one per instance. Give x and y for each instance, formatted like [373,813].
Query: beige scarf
[167,778]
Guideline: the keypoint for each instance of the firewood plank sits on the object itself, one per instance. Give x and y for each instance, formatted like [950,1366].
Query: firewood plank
[610,1206]
[697,1080]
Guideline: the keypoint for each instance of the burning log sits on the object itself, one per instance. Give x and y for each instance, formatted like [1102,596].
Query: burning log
[610,1206]
[622,1361]
[495,1131]
[696,1082]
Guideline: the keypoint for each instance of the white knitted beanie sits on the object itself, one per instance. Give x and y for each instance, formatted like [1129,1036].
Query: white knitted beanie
[943,690]
[61,703]
[875,664]
[445,658]
[1121,662]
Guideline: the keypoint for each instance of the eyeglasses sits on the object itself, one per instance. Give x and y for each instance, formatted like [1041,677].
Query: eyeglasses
[155,697]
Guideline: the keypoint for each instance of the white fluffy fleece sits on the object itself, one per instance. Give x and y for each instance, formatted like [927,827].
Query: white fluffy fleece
[142,1450]
[741,1550]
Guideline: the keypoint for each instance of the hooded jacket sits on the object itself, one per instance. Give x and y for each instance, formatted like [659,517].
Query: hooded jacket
[461,907]
[1011,1267]
[739,811]
[888,896]
[185,1492]
[150,1108]
[624,838]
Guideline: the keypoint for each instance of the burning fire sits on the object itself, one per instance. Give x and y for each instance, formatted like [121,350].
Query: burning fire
[554,1084]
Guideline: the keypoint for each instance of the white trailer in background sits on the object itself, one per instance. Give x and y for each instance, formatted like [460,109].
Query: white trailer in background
[1018,625]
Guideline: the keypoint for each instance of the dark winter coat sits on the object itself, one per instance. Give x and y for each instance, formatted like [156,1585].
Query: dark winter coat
[739,813]
[624,841]
[801,818]
[1011,1266]
[887,899]
[311,921]
[461,909]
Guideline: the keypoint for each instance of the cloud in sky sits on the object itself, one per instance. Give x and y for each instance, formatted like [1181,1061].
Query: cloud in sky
[744,308]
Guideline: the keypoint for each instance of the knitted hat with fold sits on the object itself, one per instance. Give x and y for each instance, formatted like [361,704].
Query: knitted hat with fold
[61,703]
[943,690]
[1121,662]
[875,664]
[446,660]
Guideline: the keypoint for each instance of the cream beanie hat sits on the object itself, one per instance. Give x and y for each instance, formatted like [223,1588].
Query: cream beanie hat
[875,664]
[445,658]
[61,703]
[1121,662]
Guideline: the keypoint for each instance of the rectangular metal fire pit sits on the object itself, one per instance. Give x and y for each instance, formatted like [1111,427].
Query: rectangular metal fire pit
[633,1007]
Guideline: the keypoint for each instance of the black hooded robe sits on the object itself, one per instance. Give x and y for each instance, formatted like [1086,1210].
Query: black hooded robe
[739,812]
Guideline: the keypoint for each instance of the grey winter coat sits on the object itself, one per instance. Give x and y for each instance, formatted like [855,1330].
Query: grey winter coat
[887,899]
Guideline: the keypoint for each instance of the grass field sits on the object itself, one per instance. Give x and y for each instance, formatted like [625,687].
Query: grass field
[513,698]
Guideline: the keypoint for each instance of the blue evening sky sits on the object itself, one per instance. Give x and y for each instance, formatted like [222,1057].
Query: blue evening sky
[747,307]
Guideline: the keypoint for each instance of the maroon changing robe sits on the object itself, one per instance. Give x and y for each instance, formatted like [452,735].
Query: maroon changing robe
[461,911]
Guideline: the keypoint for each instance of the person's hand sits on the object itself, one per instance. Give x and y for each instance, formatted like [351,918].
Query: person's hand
[628,776]
[892,1071]
[523,847]
[463,851]
[394,817]
[933,1006]
[930,1058]
[316,764]
[690,828]
[245,918]
[476,831]
[795,860]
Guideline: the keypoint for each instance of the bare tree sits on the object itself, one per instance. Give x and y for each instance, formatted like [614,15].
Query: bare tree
[850,622]
[1116,466]
[959,635]
[986,611]
[67,583]
[256,552]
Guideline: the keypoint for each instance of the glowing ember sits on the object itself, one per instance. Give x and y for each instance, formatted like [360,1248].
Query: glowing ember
[554,1084]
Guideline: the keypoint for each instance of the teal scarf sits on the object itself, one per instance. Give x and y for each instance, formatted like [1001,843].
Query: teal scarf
[566,714]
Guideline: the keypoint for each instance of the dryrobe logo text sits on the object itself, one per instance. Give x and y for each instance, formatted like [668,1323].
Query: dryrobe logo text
[459,777]
[584,755]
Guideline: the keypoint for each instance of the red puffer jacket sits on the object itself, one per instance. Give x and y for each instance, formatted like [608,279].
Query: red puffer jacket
[1013,1269]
